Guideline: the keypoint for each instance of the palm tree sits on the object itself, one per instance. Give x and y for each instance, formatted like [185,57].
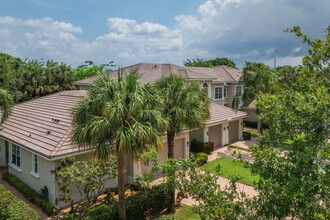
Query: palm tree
[257,78]
[119,114]
[186,105]
[6,105]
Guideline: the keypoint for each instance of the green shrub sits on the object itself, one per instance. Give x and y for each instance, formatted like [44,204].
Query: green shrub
[251,124]
[12,208]
[29,193]
[112,189]
[208,147]
[136,186]
[153,200]
[246,135]
[101,212]
[201,158]
[198,147]
[72,216]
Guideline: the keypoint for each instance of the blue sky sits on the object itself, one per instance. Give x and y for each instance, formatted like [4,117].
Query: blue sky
[159,31]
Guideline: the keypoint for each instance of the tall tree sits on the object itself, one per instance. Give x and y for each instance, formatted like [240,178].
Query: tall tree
[292,156]
[210,63]
[186,105]
[257,78]
[119,114]
[6,105]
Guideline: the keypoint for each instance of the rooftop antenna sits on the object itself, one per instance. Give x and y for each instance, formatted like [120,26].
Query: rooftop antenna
[275,51]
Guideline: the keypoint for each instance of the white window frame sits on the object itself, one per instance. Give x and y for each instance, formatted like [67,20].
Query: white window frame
[225,93]
[241,90]
[15,153]
[35,165]
[215,88]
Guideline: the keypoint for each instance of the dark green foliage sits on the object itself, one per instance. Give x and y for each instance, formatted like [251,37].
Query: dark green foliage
[112,189]
[12,208]
[30,79]
[153,200]
[201,158]
[210,63]
[29,193]
[136,186]
[72,216]
[251,124]
[101,212]
[246,135]
[208,147]
[89,69]
[198,147]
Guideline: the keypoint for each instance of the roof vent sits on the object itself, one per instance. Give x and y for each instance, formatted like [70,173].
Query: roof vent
[55,120]
[48,132]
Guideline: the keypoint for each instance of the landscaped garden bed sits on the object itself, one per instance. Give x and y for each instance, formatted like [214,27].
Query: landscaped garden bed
[12,207]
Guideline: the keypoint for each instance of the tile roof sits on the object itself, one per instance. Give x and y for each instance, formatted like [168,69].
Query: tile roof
[150,72]
[221,113]
[43,125]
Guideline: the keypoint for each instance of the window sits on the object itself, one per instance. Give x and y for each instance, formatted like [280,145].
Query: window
[205,86]
[218,93]
[239,91]
[35,166]
[16,155]
[225,92]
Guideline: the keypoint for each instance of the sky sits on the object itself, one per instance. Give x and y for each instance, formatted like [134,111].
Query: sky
[159,31]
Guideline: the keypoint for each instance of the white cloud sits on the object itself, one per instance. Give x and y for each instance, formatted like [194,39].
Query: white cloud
[296,50]
[282,61]
[239,30]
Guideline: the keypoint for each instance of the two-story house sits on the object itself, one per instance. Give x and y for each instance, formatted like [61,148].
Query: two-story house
[37,135]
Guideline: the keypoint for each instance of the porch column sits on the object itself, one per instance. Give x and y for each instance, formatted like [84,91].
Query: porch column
[224,134]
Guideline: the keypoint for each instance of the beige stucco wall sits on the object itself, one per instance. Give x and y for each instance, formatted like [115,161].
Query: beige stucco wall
[180,141]
[252,115]
[196,134]
[2,153]
[24,173]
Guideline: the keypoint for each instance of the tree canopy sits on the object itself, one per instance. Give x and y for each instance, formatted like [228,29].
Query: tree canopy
[210,63]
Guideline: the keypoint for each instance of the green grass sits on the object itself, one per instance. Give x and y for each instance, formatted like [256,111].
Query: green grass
[186,213]
[232,168]
[254,133]
[238,148]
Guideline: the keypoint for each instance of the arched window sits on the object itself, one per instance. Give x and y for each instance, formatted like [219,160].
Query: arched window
[205,86]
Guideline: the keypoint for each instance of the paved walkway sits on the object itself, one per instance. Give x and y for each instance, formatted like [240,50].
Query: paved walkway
[20,195]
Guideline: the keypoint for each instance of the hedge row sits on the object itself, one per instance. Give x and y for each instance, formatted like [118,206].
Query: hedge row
[198,147]
[29,193]
[148,202]
[12,208]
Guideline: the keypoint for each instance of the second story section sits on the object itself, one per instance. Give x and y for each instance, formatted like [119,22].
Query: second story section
[221,82]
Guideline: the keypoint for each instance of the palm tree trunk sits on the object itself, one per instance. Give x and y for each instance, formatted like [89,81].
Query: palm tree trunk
[121,186]
[170,145]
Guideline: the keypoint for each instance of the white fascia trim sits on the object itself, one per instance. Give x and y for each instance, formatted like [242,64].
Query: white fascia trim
[227,120]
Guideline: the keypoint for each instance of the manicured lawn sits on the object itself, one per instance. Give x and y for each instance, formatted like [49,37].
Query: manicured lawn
[231,168]
[186,213]
[238,148]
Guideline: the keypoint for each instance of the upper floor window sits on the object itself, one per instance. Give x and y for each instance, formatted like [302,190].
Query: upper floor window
[218,93]
[16,155]
[238,91]
[205,86]
[225,92]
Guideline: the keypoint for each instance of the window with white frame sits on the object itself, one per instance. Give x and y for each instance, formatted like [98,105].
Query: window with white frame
[238,91]
[16,155]
[225,92]
[218,92]
[35,164]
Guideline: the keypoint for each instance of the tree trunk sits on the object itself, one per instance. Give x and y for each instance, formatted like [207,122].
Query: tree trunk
[121,186]
[259,126]
[170,145]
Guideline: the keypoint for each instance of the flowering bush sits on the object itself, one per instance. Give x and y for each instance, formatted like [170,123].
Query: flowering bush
[86,177]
